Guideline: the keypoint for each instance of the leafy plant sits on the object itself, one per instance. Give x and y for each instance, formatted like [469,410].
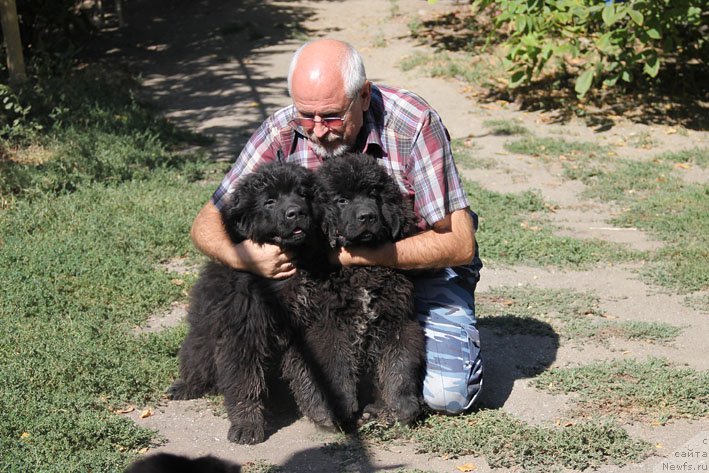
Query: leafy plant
[605,43]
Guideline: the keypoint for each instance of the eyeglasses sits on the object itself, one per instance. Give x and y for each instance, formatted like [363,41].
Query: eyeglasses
[305,125]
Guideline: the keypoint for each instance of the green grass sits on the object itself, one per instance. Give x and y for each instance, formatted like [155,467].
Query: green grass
[654,198]
[695,156]
[657,201]
[260,466]
[443,64]
[80,272]
[513,231]
[561,312]
[505,127]
[553,148]
[652,390]
[96,190]
[466,155]
[86,125]
[507,442]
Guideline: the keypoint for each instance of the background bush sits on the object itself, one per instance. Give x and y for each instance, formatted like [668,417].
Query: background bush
[601,44]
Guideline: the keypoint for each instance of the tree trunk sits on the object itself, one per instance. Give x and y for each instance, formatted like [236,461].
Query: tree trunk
[13,45]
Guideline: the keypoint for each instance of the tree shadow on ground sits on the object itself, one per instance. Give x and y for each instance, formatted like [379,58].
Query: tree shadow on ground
[213,55]
[513,348]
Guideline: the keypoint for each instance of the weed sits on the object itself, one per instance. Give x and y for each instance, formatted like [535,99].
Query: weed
[697,156]
[678,216]
[652,389]
[513,231]
[505,127]
[261,466]
[464,151]
[507,442]
[79,273]
[554,148]
[571,314]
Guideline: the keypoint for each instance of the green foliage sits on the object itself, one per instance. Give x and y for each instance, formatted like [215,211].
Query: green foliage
[505,127]
[608,43]
[507,442]
[80,271]
[562,312]
[513,231]
[93,129]
[653,389]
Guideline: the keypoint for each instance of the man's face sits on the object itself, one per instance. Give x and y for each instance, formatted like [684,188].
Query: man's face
[331,138]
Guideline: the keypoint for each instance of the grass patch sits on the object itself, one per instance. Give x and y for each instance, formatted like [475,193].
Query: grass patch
[459,66]
[655,199]
[90,127]
[96,190]
[507,442]
[260,466]
[570,314]
[514,231]
[555,148]
[679,218]
[646,390]
[80,272]
[465,153]
[695,156]
[505,127]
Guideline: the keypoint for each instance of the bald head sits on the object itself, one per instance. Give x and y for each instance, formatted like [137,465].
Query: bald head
[326,66]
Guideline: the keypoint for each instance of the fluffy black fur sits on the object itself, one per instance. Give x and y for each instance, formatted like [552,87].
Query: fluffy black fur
[171,463]
[241,324]
[368,322]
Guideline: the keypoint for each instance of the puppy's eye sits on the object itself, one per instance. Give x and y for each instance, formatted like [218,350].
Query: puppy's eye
[270,203]
[341,201]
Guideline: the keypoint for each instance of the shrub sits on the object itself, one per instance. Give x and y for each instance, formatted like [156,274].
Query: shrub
[599,43]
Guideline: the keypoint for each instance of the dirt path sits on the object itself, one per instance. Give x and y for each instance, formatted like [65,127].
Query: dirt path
[219,67]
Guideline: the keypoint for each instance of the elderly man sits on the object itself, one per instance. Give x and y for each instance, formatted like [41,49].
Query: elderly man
[335,110]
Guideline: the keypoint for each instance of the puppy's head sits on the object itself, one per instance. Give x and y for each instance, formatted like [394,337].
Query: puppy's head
[278,203]
[364,204]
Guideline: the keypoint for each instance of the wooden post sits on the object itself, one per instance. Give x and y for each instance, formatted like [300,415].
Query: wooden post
[13,44]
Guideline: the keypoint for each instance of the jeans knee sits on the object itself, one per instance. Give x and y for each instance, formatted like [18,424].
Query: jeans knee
[453,395]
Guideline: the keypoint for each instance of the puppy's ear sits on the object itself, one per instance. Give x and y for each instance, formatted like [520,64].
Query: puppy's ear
[329,225]
[235,217]
[393,218]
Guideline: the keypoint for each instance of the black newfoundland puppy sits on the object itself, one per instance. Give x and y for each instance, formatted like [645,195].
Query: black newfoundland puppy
[241,324]
[367,324]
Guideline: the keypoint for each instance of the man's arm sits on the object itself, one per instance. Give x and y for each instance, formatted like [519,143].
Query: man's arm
[210,237]
[451,242]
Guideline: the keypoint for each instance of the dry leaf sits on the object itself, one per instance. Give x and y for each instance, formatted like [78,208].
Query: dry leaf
[466,467]
[147,412]
[125,410]
[177,282]
[25,435]
[683,165]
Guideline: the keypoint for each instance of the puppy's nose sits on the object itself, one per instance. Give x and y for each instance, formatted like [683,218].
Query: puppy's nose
[293,212]
[366,216]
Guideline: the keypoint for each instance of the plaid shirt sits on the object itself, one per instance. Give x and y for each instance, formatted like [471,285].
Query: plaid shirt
[400,129]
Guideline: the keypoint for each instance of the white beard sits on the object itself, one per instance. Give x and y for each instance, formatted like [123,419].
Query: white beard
[328,153]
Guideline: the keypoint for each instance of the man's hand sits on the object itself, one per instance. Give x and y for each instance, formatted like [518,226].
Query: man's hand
[268,261]
[210,237]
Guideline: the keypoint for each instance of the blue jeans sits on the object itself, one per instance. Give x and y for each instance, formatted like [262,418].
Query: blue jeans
[445,304]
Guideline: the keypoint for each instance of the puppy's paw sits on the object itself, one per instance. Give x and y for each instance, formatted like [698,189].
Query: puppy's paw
[180,391]
[406,410]
[246,433]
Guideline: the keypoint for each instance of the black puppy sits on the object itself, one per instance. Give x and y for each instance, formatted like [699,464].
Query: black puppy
[240,324]
[171,463]
[368,323]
